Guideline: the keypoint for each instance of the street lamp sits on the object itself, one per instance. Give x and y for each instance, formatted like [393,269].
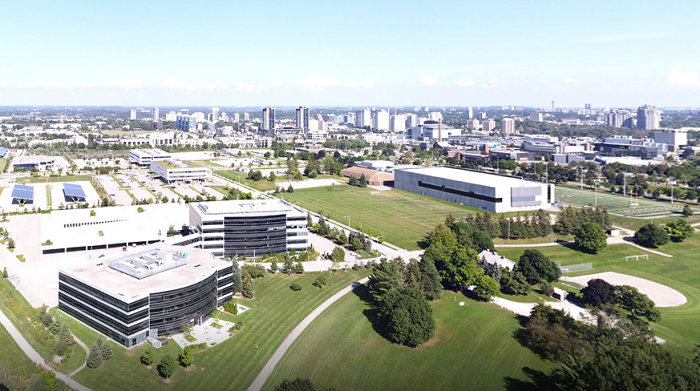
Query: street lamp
[349,227]
[595,187]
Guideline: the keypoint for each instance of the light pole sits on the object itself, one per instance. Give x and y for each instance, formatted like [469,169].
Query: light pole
[349,226]
[595,190]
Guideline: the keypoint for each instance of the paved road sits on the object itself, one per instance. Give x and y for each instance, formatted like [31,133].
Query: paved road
[270,366]
[34,356]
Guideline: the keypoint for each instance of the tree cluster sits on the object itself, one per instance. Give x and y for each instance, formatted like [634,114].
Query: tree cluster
[62,340]
[99,352]
[651,235]
[570,218]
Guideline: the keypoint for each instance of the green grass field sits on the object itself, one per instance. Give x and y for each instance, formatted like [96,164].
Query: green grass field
[51,179]
[15,367]
[402,217]
[473,349]
[616,203]
[234,364]
[678,325]
[3,163]
[240,177]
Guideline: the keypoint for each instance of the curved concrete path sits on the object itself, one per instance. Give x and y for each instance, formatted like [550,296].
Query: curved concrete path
[87,351]
[34,356]
[270,366]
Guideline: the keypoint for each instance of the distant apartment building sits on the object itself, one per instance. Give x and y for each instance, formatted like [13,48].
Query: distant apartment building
[648,118]
[317,135]
[363,119]
[397,123]
[171,116]
[302,119]
[268,121]
[507,126]
[618,118]
[411,120]
[435,116]
[246,117]
[380,120]
[132,114]
[536,117]
[473,124]
[489,125]
[156,114]
[187,123]
[236,117]
[215,114]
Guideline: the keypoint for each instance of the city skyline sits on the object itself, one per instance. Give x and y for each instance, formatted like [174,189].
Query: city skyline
[618,55]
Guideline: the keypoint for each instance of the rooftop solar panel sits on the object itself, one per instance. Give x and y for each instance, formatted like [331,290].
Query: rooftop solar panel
[3,151]
[23,192]
[72,190]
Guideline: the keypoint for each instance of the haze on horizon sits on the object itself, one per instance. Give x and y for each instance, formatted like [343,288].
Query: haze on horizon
[448,53]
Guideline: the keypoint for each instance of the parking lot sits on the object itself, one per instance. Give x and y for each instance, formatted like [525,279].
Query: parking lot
[41,191]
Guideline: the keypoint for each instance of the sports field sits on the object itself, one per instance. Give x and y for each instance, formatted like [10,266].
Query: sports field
[473,349]
[624,205]
[402,217]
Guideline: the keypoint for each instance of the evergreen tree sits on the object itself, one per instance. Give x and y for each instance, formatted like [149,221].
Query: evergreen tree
[94,359]
[248,289]
[106,351]
[386,276]
[353,181]
[363,181]
[430,279]
[273,266]
[237,280]
[687,210]
[48,379]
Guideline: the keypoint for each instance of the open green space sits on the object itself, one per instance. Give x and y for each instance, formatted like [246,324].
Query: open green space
[15,367]
[49,202]
[50,179]
[473,349]
[678,325]
[3,163]
[616,203]
[402,217]
[231,365]
[241,177]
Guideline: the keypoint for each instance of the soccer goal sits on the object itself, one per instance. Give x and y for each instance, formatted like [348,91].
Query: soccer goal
[636,257]
[374,193]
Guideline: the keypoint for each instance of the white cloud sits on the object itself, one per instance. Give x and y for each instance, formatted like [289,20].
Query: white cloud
[369,83]
[3,84]
[571,81]
[430,81]
[679,78]
[171,82]
[127,83]
[465,83]
[318,82]
[493,83]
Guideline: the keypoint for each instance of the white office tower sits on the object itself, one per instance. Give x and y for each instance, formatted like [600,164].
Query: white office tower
[223,117]
[435,116]
[156,114]
[470,113]
[185,111]
[268,121]
[617,118]
[508,126]
[199,116]
[482,116]
[236,117]
[536,117]
[398,123]
[215,114]
[363,119]
[427,109]
[246,117]
[473,124]
[171,116]
[648,118]
[303,118]
[132,114]
[411,120]
[380,120]
[489,125]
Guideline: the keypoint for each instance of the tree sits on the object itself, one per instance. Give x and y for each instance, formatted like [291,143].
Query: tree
[295,385]
[536,267]
[338,255]
[353,181]
[237,280]
[140,209]
[481,241]
[273,265]
[11,243]
[363,181]
[93,213]
[166,366]
[486,287]
[148,355]
[356,244]
[4,272]
[272,176]
[430,279]
[248,289]
[407,316]
[513,283]
[679,230]
[687,210]
[48,379]
[636,302]
[386,276]
[590,237]
[598,292]
[342,238]
[186,358]
[651,235]
[94,359]
[106,351]
[290,189]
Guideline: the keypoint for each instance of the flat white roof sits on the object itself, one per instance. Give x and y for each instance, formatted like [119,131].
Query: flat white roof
[243,206]
[477,177]
[32,159]
[130,288]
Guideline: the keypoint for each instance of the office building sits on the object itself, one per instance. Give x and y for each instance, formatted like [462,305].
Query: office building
[246,117]
[674,138]
[187,123]
[215,114]
[489,125]
[178,171]
[536,117]
[473,124]
[397,123]
[380,120]
[303,118]
[144,157]
[627,146]
[411,120]
[156,114]
[29,162]
[470,113]
[185,111]
[648,118]
[435,116]
[236,117]
[154,292]
[268,121]
[433,131]
[171,116]
[249,227]
[478,189]
[363,119]
[618,118]
[507,126]
[132,114]
[482,116]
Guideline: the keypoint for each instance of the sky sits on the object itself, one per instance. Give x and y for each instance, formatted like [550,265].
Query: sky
[340,53]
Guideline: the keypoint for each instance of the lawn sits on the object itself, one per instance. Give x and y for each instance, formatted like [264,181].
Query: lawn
[616,203]
[63,178]
[3,163]
[241,177]
[473,349]
[402,217]
[678,325]
[15,367]
[49,202]
[234,364]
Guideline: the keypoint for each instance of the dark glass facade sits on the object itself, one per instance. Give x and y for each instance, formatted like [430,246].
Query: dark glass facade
[254,235]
